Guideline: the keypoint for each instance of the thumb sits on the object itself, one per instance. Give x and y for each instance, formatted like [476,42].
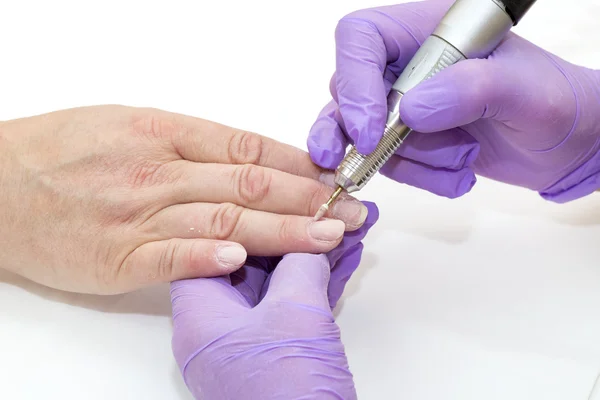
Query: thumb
[461,94]
[302,279]
[174,259]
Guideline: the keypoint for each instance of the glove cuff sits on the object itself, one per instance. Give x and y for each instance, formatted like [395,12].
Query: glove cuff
[590,183]
[584,178]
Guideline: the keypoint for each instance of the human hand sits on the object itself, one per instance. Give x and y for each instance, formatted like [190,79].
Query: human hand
[247,336]
[108,199]
[522,116]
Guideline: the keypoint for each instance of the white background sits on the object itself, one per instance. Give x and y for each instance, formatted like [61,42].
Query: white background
[492,296]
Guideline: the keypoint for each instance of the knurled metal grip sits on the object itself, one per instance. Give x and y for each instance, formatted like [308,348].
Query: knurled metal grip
[356,169]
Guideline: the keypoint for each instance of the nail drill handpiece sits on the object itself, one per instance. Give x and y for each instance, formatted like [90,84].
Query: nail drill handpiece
[470,29]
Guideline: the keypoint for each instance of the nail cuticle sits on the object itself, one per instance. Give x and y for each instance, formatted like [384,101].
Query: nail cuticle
[351,211]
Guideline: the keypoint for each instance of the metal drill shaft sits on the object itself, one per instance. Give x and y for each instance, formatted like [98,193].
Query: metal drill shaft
[323,209]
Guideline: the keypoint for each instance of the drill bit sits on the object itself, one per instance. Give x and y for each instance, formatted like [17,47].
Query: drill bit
[323,209]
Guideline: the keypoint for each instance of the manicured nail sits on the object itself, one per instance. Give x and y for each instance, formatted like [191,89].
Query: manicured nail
[231,256]
[351,211]
[328,230]
[326,178]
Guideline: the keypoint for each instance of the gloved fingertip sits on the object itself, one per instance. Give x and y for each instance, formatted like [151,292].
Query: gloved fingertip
[300,277]
[472,154]
[342,272]
[333,88]
[464,157]
[368,137]
[324,158]
[373,213]
[298,264]
[414,109]
[464,185]
[365,145]
[303,257]
[328,160]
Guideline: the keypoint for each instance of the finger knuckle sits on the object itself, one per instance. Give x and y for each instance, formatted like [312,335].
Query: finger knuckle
[150,124]
[285,230]
[166,261]
[354,16]
[108,270]
[127,209]
[225,221]
[145,172]
[245,148]
[120,268]
[253,183]
[332,85]
[344,26]
[349,23]
[196,256]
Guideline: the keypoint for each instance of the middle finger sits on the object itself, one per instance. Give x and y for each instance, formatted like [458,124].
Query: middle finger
[261,189]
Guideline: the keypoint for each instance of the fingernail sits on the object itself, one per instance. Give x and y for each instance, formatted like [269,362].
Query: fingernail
[327,178]
[328,230]
[231,256]
[351,211]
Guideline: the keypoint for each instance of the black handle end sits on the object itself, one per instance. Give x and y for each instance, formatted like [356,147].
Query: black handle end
[517,8]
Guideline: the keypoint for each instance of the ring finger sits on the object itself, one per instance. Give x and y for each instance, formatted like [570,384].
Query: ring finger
[261,233]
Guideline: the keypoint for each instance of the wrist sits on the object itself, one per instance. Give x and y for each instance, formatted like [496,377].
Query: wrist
[4,187]
[10,180]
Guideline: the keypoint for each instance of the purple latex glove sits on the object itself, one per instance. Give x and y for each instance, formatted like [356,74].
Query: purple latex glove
[522,116]
[247,336]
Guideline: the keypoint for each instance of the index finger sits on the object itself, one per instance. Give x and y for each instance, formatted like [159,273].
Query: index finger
[200,140]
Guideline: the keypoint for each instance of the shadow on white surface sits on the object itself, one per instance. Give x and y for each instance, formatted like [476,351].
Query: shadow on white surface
[403,208]
[179,385]
[520,202]
[353,287]
[150,301]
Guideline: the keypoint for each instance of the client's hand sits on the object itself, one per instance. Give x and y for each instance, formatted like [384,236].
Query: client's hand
[268,333]
[109,199]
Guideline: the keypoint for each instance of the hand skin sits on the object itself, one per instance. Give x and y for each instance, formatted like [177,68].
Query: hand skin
[109,199]
[522,116]
[267,331]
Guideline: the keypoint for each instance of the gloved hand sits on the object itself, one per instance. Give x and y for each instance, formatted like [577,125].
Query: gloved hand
[523,116]
[247,336]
